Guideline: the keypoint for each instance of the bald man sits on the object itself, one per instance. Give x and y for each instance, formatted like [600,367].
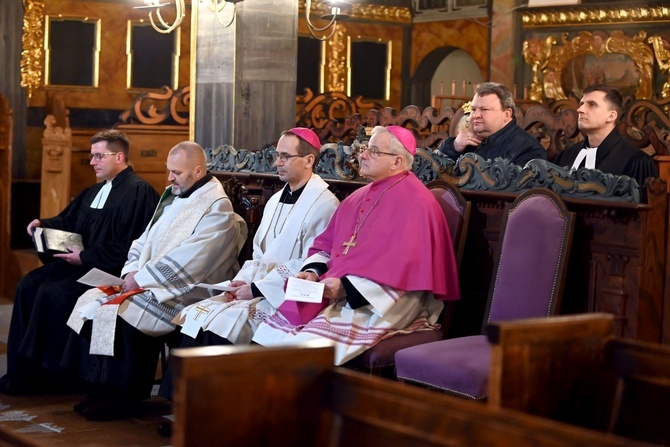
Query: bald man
[194,237]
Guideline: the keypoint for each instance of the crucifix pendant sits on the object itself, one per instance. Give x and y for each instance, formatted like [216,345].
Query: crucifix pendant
[349,244]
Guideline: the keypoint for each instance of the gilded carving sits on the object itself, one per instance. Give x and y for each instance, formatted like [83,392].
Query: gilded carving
[594,16]
[32,61]
[662,53]
[371,12]
[380,12]
[552,60]
[336,76]
[536,52]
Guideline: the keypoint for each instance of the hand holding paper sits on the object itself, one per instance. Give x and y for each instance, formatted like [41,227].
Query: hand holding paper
[97,278]
[305,291]
[222,286]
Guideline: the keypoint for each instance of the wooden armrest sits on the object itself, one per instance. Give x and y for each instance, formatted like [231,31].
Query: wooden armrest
[536,363]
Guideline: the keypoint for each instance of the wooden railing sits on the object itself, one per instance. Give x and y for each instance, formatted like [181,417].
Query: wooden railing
[294,396]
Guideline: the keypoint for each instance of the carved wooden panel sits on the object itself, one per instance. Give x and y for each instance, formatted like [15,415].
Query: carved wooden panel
[56,159]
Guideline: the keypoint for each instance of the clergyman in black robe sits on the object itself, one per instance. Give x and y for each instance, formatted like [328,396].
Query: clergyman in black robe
[109,215]
[599,111]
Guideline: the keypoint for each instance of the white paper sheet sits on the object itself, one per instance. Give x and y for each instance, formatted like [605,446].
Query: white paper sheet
[97,278]
[222,286]
[302,290]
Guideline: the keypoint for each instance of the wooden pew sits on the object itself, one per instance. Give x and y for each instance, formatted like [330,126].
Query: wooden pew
[232,396]
[573,369]
[617,264]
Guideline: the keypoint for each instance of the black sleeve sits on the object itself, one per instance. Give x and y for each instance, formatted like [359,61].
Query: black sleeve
[255,292]
[640,167]
[319,267]
[354,297]
[447,147]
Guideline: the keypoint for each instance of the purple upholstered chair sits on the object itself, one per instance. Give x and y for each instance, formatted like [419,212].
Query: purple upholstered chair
[457,212]
[527,282]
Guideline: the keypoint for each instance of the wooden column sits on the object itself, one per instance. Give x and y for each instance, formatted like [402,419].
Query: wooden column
[245,74]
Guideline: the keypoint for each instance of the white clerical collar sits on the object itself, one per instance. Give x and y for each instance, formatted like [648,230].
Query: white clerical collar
[101,197]
[588,153]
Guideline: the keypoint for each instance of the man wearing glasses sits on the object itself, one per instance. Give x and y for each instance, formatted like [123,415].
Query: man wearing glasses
[492,130]
[292,218]
[385,259]
[109,216]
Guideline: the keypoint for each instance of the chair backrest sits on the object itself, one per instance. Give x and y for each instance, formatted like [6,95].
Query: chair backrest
[532,255]
[457,211]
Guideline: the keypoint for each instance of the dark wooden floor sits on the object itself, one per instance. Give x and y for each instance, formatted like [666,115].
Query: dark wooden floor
[50,418]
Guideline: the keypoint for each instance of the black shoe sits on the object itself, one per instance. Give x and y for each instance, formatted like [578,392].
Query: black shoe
[87,403]
[10,389]
[165,430]
[115,410]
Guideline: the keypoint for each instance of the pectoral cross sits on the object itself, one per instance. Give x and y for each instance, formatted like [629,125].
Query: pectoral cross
[349,244]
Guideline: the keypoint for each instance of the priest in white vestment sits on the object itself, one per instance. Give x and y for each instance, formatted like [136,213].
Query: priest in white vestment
[292,218]
[385,259]
[194,237]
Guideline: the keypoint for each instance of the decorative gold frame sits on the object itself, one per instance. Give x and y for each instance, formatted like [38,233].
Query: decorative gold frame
[566,16]
[389,64]
[544,57]
[32,40]
[96,47]
[174,83]
[335,77]
[396,14]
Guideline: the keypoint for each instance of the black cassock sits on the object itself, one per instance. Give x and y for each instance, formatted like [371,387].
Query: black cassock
[45,297]
[615,155]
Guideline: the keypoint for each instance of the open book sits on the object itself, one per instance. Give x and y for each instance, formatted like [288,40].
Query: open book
[49,240]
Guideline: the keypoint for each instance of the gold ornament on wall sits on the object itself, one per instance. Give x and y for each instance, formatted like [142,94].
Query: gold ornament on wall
[662,53]
[536,52]
[594,16]
[397,14]
[32,61]
[336,78]
[565,64]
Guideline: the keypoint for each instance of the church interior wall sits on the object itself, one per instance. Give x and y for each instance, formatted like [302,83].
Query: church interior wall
[94,108]
[466,35]
[336,63]
[106,101]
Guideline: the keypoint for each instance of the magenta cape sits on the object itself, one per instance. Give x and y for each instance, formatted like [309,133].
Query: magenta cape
[404,243]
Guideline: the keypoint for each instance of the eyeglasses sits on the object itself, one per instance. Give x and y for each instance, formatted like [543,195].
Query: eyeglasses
[285,157]
[99,156]
[374,151]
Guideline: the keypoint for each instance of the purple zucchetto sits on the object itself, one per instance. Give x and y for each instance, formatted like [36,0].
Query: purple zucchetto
[308,135]
[405,136]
